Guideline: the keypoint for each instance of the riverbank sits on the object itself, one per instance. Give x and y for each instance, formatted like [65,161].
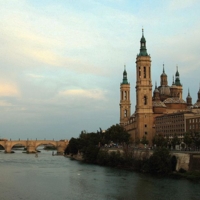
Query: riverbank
[141,166]
[75,157]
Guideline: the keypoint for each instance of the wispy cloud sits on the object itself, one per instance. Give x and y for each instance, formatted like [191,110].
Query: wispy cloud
[37,76]
[8,89]
[4,103]
[81,93]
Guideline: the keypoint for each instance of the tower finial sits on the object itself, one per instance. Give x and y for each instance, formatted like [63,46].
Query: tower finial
[163,68]
[124,67]
[173,81]
[188,92]
[142,31]
[156,85]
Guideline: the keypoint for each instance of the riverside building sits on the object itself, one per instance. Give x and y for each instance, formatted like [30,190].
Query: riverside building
[155,109]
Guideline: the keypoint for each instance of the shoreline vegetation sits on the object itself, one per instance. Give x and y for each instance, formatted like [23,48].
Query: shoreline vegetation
[90,148]
[139,166]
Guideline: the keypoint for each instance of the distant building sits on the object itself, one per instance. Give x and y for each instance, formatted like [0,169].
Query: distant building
[177,124]
[193,124]
[165,100]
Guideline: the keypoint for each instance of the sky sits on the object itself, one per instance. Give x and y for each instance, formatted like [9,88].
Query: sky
[61,62]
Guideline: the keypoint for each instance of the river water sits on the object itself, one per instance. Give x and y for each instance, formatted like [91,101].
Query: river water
[24,177]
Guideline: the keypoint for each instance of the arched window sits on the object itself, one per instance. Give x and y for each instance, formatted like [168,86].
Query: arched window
[139,72]
[145,100]
[149,72]
[125,95]
[125,113]
[144,72]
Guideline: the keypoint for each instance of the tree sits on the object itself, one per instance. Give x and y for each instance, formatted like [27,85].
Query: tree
[160,162]
[159,141]
[175,141]
[196,139]
[90,153]
[117,134]
[187,139]
[72,147]
[144,140]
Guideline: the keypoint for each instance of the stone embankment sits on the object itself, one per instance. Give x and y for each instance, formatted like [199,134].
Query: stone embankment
[189,161]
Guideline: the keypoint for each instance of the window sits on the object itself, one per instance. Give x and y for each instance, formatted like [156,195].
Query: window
[149,72]
[139,72]
[145,133]
[145,125]
[145,100]
[125,113]
[144,72]
[125,95]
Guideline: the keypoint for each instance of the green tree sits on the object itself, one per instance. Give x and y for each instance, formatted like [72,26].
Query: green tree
[72,147]
[196,139]
[117,134]
[187,139]
[175,141]
[90,153]
[160,162]
[159,141]
[144,140]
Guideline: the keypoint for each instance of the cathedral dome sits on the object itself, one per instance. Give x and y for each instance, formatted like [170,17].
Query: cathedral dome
[164,90]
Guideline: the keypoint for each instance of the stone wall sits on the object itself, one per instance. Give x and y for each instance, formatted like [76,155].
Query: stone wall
[187,161]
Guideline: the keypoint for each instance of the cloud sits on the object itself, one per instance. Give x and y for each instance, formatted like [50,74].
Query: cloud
[35,76]
[71,40]
[81,93]
[8,89]
[4,103]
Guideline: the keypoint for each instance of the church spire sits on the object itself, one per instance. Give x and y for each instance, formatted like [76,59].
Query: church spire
[177,80]
[163,69]
[143,50]
[189,99]
[125,80]
[188,93]
[173,81]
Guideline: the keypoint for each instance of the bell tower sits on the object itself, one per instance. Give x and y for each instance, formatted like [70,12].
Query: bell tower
[144,109]
[125,104]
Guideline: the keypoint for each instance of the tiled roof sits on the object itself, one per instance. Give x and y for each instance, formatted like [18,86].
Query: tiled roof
[196,105]
[174,100]
[159,104]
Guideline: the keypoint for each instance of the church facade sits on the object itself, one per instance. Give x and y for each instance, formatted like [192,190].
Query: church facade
[150,104]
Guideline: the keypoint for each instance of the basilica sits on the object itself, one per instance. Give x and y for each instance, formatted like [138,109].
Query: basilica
[158,106]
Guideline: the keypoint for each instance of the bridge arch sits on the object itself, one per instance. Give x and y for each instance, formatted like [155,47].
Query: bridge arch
[45,143]
[18,143]
[2,147]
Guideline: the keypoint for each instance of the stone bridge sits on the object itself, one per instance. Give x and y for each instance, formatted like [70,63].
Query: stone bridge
[31,145]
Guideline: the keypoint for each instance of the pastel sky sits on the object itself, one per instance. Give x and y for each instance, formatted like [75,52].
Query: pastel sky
[61,62]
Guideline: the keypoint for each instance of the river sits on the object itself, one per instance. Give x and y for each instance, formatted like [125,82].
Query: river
[25,177]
